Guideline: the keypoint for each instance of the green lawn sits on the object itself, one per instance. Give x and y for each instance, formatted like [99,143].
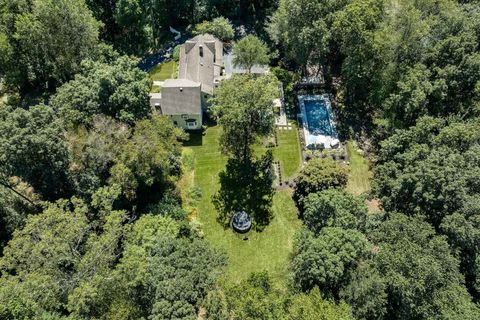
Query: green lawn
[164,71]
[360,174]
[268,250]
[288,152]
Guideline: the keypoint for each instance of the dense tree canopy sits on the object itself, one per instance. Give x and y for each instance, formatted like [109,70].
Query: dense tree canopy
[41,50]
[431,168]
[61,262]
[414,276]
[17,201]
[334,208]
[301,28]
[97,221]
[33,147]
[149,161]
[318,175]
[326,260]
[117,89]
[257,298]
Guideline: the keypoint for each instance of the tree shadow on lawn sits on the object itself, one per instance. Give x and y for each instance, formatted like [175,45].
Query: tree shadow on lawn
[195,138]
[246,185]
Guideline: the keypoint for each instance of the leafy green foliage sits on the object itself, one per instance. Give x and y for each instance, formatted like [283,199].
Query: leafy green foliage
[430,168]
[318,175]
[33,147]
[216,307]
[244,107]
[366,293]
[136,160]
[417,271]
[219,27]
[250,51]
[131,17]
[55,253]
[94,151]
[17,201]
[314,307]
[150,160]
[117,89]
[255,298]
[167,276]
[462,229]
[43,51]
[302,30]
[63,262]
[433,169]
[334,208]
[326,260]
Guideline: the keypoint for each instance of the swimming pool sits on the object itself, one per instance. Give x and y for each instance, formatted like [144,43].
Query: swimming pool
[319,126]
[318,119]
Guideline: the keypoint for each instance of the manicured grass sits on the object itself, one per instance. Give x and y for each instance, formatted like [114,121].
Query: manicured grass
[360,174]
[268,250]
[164,71]
[288,152]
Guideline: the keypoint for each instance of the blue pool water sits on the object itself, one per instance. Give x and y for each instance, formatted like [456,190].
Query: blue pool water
[318,118]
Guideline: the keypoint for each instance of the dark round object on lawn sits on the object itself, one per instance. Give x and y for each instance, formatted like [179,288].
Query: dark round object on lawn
[241,222]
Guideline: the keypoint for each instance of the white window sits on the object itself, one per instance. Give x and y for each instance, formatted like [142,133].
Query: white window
[192,125]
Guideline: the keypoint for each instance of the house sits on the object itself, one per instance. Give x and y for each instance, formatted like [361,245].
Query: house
[202,65]
[180,99]
[201,60]
[200,69]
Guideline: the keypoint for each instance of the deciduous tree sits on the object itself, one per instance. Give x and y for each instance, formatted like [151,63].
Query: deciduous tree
[318,175]
[334,208]
[33,147]
[421,277]
[250,51]
[327,259]
[244,107]
[219,27]
[117,89]
[44,50]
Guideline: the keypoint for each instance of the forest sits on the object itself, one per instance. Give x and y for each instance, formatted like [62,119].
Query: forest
[106,204]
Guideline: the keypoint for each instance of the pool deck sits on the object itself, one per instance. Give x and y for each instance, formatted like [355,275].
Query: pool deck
[312,140]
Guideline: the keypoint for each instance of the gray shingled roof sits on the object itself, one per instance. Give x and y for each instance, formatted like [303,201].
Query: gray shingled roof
[199,68]
[181,96]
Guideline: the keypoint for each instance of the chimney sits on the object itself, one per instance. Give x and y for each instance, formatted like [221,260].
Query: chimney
[200,48]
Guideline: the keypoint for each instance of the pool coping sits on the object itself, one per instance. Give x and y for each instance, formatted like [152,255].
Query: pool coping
[324,97]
